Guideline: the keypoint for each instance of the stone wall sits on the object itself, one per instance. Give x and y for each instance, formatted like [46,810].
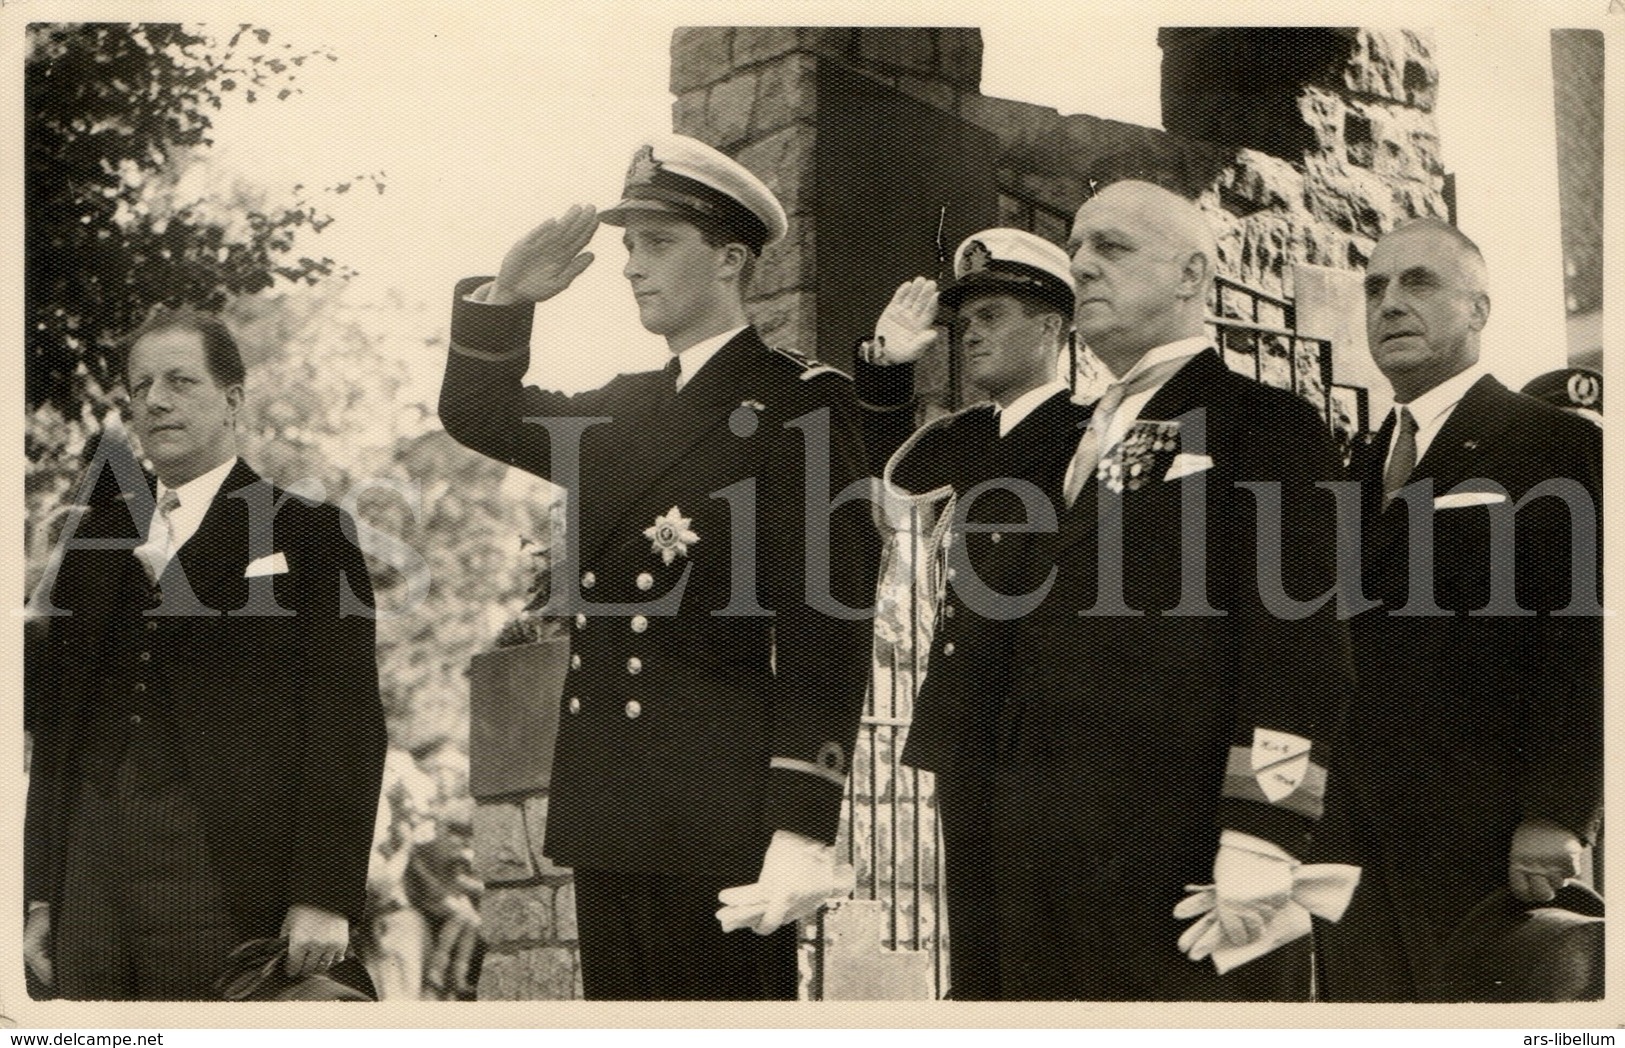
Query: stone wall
[528,911]
[1358,125]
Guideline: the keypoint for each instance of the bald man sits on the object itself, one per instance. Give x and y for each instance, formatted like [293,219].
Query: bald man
[1170,712]
[1476,741]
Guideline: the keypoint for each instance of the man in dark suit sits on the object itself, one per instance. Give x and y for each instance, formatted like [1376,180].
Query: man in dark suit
[722,638]
[209,741]
[1170,709]
[1476,741]
[993,474]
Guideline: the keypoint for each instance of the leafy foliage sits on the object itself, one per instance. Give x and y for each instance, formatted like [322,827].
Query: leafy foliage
[116,115]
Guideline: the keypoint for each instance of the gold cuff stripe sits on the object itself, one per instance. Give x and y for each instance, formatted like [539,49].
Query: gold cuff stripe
[480,354]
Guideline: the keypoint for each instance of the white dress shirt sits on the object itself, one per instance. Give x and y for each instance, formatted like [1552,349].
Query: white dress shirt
[1011,414]
[195,496]
[690,360]
[1128,412]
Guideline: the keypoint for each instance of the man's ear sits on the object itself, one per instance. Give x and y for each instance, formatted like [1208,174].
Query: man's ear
[734,257]
[1193,275]
[234,399]
[1481,311]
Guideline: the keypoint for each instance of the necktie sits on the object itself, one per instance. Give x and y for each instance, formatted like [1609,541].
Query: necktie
[674,374]
[1403,458]
[154,553]
[1087,457]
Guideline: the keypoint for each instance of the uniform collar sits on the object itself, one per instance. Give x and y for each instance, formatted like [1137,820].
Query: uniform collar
[690,360]
[1012,414]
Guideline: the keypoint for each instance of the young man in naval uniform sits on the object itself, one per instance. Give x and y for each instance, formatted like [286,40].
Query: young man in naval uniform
[991,467]
[1169,713]
[722,636]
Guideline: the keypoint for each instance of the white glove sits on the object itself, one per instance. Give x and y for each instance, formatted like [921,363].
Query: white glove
[906,328]
[798,876]
[1249,888]
[1247,878]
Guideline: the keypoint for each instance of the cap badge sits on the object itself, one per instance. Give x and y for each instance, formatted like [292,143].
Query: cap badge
[644,167]
[670,535]
[976,259]
[1584,390]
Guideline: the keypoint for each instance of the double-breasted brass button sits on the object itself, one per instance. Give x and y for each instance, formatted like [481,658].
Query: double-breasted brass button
[140,686]
[634,665]
[151,625]
[135,719]
[575,661]
[639,623]
[947,611]
[634,709]
[146,656]
[645,580]
[995,537]
[575,704]
[953,573]
[948,648]
[588,580]
[581,620]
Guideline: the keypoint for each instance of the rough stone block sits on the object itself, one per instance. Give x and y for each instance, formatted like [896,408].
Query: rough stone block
[1018,124]
[535,814]
[564,914]
[786,91]
[699,56]
[784,160]
[1396,64]
[758,43]
[959,57]
[501,846]
[518,915]
[788,264]
[545,973]
[828,40]
[728,109]
[688,115]
[1014,212]
[857,968]
[898,47]
[936,93]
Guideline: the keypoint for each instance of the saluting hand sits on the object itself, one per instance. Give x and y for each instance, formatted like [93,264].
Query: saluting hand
[546,259]
[906,328]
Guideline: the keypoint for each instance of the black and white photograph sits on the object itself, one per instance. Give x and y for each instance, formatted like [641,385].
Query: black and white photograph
[695,515]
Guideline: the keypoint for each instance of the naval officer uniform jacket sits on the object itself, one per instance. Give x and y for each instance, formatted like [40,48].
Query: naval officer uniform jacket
[715,686]
[970,669]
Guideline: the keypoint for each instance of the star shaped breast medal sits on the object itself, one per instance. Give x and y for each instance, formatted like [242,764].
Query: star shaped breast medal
[670,535]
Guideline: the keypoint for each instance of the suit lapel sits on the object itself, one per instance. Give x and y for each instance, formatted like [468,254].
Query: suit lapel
[663,437]
[1452,457]
[218,553]
[1188,388]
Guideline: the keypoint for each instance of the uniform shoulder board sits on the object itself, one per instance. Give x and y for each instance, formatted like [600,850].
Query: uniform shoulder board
[809,368]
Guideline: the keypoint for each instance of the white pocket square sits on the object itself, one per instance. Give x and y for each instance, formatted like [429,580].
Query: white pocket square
[270,564]
[1454,499]
[1185,464]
